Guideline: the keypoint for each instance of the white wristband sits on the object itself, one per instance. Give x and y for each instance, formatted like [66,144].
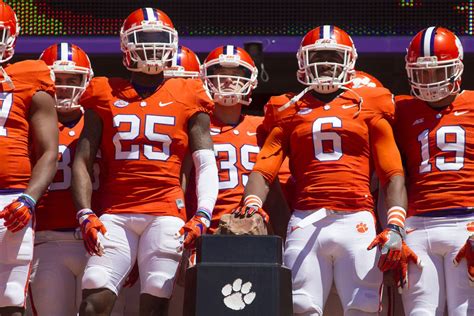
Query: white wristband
[396,216]
[253,200]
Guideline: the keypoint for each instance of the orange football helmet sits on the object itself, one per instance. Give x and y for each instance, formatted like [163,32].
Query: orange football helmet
[334,74]
[185,64]
[148,40]
[434,64]
[9,30]
[70,59]
[229,89]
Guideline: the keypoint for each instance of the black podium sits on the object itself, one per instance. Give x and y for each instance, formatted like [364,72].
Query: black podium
[238,275]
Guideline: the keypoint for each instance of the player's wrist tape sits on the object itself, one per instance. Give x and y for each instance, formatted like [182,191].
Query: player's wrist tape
[397,229]
[206,216]
[253,200]
[81,215]
[396,216]
[28,200]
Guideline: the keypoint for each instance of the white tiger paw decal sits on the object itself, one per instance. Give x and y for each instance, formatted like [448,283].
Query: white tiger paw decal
[237,295]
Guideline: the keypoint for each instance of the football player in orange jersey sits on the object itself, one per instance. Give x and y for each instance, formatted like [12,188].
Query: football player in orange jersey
[330,139]
[27,116]
[59,256]
[434,131]
[144,127]
[230,76]
[274,113]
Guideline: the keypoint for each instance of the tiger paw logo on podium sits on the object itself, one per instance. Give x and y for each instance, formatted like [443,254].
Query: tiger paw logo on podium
[237,295]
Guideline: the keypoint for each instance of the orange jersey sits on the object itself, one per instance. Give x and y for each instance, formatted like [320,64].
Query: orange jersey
[144,142]
[236,149]
[55,209]
[437,147]
[363,79]
[329,148]
[28,77]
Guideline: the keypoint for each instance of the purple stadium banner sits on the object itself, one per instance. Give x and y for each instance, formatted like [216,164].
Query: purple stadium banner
[271,44]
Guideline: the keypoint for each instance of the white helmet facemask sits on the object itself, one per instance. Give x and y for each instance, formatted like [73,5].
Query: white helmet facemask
[150,46]
[432,80]
[230,89]
[311,73]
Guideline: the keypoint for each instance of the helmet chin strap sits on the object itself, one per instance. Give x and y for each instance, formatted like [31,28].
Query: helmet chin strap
[297,97]
[6,78]
[326,89]
[228,100]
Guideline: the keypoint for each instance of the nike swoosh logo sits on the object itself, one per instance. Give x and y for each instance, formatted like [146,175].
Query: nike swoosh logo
[410,230]
[457,113]
[345,106]
[251,134]
[418,121]
[215,131]
[164,104]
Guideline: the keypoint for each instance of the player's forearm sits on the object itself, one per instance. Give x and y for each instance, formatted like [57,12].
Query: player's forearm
[207,181]
[257,186]
[396,200]
[42,174]
[81,185]
[395,192]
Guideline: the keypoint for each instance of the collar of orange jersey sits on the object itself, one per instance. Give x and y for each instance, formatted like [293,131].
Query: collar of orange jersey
[124,90]
[215,122]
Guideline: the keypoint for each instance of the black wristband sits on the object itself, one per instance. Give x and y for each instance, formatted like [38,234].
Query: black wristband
[397,229]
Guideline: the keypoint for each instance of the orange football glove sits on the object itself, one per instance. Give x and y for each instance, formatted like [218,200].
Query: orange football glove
[390,244]
[194,228]
[400,272]
[18,213]
[90,226]
[467,251]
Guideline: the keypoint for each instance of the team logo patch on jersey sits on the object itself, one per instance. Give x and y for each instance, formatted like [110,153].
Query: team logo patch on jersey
[470,227]
[362,228]
[120,103]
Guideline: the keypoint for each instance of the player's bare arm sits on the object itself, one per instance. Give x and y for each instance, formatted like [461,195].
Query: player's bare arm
[199,136]
[86,151]
[44,131]
[388,164]
[265,170]
[207,183]
[269,161]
